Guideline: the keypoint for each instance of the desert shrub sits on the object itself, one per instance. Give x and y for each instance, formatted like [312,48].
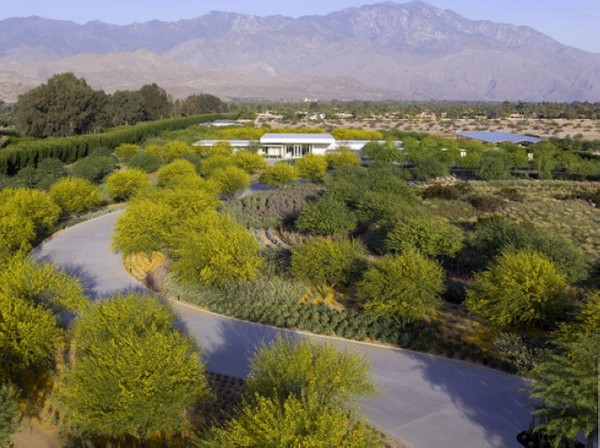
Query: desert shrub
[327,216]
[126,151]
[175,172]
[487,203]
[341,158]
[215,163]
[494,236]
[449,192]
[272,209]
[427,167]
[145,161]
[93,168]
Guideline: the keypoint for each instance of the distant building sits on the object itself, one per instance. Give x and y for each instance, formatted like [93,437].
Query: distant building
[499,137]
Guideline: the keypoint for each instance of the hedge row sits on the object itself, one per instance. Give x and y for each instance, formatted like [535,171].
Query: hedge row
[71,149]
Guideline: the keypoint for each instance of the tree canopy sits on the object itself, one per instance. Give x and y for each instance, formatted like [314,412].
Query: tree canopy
[134,374]
[64,106]
[407,286]
[520,290]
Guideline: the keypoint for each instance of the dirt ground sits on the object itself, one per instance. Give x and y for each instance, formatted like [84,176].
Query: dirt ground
[36,434]
[545,128]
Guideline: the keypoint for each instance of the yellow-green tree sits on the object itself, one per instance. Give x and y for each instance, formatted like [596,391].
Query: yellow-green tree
[406,287]
[279,174]
[565,381]
[301,394]
[34,205]
[171,150]
[231,180]
[126,151]
[426,234]
[176,172]
[292,423]
[75,194]
[24,213]
[32,296]
[342,157]
[335,378]
[212,248]
[221,148]
[215,163]
[123,185]
[249,162]
[328,262]
[520,290]
[311,167]
[134,376]
[145,226]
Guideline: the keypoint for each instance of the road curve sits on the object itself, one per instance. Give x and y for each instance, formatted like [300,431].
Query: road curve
[423,400]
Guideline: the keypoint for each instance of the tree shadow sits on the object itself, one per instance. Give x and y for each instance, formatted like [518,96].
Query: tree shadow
[496,404]
[235,343]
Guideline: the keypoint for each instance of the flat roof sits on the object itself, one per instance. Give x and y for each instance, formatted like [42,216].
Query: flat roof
[297,138]
[498,137]
[235,143]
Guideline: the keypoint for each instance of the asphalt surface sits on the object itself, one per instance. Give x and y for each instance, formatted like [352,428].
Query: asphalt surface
[423,400]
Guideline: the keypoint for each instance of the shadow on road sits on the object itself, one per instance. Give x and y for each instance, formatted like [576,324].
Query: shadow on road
[235,345]
[493,401]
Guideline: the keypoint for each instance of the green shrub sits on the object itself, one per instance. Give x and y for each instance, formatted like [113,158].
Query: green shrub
[93,168]
[145,161]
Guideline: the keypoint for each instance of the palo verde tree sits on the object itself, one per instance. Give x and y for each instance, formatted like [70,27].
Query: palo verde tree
[565,381]
[123,185]
[406,287]
[279,175]
[311,167]
[134,375]
[328,262]
[74,194]
[336,378]
[64,106]
[212,248]
[32,297]
[310,406]
[522,289]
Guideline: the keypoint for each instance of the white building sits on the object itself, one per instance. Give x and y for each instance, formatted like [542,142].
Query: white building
[294,146]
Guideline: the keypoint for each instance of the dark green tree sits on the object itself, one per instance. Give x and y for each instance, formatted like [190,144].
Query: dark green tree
[156,103]
[64,106]
[327,216]
[125,107]
[203,103]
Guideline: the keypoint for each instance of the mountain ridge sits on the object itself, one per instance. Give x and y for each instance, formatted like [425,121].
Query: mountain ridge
[408,51]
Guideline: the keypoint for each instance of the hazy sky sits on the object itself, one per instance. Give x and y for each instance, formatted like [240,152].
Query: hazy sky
[571,22]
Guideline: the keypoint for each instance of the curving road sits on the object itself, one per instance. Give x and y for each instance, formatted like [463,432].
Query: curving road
[423,400]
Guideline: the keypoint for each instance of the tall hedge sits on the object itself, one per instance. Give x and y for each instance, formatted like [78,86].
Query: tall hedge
[71,149]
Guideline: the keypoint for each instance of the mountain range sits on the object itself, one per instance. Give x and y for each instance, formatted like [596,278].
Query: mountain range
[386,51]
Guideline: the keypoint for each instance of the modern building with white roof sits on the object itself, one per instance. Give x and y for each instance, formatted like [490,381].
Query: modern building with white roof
[295,146]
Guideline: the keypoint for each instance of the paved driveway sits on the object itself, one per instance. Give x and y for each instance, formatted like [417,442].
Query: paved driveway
[423,400]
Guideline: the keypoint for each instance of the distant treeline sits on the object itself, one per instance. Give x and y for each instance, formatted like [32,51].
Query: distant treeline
[450,110]
[66,105]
